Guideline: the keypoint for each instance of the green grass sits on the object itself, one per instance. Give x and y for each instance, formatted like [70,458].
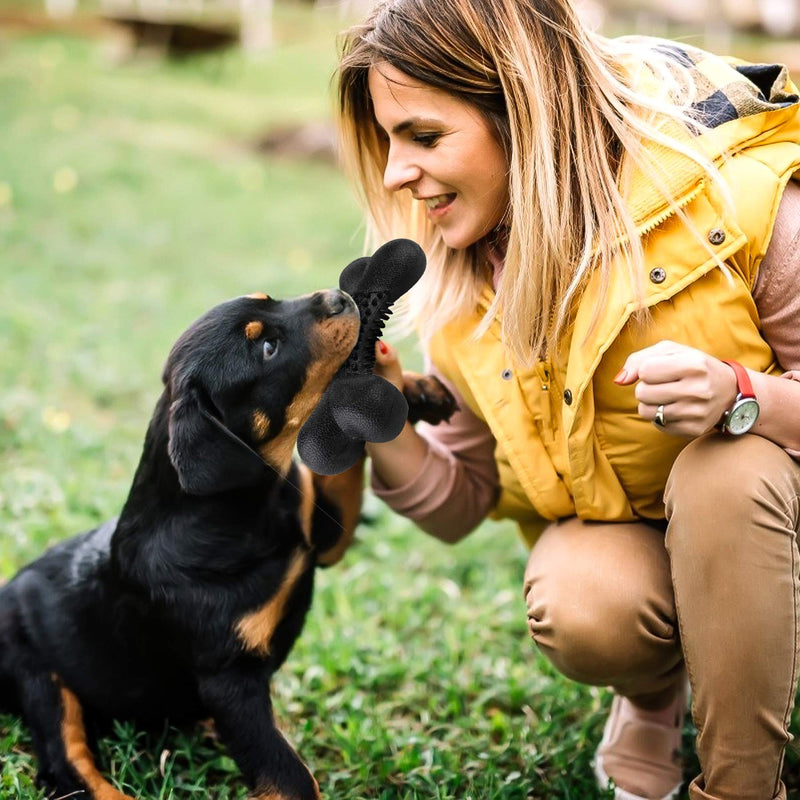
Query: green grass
[131,201]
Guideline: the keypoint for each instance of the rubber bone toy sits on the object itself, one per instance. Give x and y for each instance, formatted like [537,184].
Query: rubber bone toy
[358,406]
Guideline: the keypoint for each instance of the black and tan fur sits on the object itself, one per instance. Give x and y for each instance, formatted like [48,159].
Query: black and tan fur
[185,606]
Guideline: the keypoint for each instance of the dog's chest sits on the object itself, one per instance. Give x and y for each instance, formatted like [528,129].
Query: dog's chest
[256,629]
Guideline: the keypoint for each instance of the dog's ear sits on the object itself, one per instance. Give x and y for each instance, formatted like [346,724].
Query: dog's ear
[206,455]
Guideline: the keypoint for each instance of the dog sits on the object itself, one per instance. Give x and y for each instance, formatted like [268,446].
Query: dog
[184,606]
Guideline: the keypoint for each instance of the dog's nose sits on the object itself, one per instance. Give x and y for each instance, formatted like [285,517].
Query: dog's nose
[335,302]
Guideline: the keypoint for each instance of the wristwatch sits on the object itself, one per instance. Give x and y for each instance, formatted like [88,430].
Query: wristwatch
[742,415]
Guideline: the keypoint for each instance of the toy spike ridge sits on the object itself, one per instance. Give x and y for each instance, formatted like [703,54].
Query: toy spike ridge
[358,406]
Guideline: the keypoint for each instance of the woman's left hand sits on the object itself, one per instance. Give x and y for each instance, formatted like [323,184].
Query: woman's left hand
[694,388]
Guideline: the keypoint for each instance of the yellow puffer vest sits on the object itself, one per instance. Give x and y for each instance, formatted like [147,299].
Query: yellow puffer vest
[569,440]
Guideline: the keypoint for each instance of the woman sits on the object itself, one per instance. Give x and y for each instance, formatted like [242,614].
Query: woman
[612,293]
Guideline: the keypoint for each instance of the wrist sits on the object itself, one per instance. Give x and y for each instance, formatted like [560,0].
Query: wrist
[400,460]
[779,399]
[741,414]
[730,389]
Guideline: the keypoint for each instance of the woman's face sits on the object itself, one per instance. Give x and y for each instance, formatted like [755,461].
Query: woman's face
[444,152]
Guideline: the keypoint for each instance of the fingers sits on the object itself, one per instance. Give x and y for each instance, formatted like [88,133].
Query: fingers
[668,371]
[657,394]
[649,412]
[387,364]
[681,418]
[659,370]
[655,364]
[385,354]
[692,387]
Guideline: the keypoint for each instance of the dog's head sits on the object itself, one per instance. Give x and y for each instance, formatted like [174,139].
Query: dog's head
[243,379]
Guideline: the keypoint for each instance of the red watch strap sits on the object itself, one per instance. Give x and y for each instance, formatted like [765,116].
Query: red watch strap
[743,384]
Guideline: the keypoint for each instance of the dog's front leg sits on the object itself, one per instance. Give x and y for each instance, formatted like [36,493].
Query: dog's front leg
[239,701]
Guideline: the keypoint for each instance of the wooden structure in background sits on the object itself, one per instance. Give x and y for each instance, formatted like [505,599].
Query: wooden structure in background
[182,27]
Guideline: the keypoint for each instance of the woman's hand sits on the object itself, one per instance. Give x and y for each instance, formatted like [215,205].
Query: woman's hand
[387,364]
[399,461]
[694,388]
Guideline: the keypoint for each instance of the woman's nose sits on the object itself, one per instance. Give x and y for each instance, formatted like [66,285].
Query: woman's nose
[400,171]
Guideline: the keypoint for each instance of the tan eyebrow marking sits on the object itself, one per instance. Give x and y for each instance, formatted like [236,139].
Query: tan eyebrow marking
[258,296]
[253,329]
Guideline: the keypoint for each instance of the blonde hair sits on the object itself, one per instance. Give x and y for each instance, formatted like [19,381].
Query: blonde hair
[561,103]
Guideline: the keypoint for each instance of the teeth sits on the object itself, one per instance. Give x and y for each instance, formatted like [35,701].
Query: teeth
[432,202]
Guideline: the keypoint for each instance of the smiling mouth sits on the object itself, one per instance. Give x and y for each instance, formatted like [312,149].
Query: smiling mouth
[439,202]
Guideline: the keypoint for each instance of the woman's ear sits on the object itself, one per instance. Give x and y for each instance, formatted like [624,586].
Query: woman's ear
[207,456]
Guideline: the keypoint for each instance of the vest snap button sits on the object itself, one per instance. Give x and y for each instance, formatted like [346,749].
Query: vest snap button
[658,275]
[716,236]
[506,374]
[568,397]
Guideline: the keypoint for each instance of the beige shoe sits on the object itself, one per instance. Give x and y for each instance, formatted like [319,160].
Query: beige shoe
[641,757]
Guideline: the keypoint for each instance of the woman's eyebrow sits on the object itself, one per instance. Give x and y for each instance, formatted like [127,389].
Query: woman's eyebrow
[411,122]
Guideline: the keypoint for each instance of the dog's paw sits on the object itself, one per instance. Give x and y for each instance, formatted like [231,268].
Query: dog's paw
[429,400]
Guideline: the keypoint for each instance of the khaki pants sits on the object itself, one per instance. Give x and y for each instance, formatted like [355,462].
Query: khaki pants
[624,605]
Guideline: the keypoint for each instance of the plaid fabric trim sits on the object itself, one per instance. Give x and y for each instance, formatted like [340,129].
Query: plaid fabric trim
[727,92]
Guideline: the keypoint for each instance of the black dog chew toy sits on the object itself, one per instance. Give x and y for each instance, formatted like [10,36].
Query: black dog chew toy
[358,406]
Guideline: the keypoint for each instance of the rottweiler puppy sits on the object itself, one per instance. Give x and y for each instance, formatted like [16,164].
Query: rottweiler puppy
[185,605]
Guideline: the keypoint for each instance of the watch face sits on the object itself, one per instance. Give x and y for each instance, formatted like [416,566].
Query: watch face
[743,416]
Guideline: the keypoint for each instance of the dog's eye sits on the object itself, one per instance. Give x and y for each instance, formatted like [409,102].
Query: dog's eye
[270,348]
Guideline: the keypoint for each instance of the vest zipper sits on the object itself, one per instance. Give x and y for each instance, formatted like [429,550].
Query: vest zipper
[543,371]
[663,216]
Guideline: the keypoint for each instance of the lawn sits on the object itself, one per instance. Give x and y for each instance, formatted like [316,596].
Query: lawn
[131,200]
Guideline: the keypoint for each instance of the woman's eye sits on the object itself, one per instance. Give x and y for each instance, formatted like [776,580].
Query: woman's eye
[427,139]
[270,347]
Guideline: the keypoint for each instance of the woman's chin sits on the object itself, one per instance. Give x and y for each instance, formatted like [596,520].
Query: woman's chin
[457,240]
[463,236]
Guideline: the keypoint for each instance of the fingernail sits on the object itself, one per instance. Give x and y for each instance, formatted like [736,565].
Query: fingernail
[620,376]
[383,348]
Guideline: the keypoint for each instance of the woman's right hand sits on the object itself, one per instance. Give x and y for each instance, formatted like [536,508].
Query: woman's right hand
[400,459]
[387,364]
